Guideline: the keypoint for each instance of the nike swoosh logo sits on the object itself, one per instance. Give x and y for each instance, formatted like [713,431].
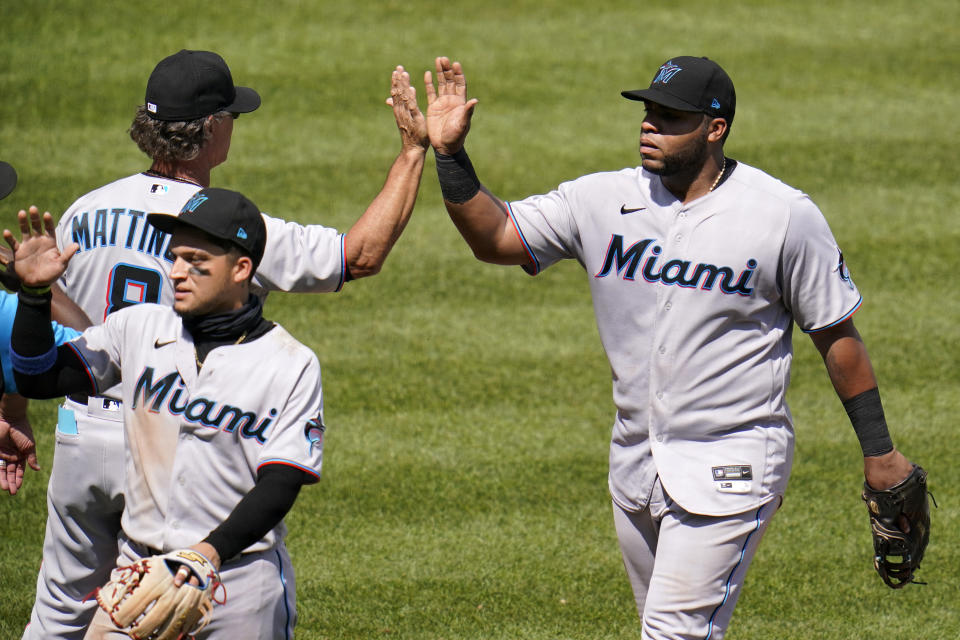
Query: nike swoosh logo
[624,211]
[157,344]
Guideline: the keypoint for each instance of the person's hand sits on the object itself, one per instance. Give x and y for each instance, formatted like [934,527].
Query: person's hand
[18,449]
[8,277]
[410,121]
[882,472]
[37,260]
[209,552]
[448,110]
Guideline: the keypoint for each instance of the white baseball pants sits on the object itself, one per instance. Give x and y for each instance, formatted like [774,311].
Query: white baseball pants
[84,504]
[687,570]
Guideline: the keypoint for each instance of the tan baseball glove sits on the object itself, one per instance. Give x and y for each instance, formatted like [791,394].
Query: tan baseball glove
[144,602]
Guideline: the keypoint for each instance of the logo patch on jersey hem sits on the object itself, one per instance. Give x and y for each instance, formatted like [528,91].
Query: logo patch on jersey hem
[733,478]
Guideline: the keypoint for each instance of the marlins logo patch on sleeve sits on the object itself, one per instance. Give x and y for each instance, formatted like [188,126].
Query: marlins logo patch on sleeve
[313,432]
[842,270]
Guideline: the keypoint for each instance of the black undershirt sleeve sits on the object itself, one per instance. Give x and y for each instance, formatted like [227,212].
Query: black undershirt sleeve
[260,510]
[32,337]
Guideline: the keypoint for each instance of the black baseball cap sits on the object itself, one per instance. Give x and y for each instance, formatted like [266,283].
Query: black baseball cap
[221,214]
[194,84]
[687,83]
[8,179]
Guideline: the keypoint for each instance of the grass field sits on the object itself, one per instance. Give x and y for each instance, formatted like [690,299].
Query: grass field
[464,492]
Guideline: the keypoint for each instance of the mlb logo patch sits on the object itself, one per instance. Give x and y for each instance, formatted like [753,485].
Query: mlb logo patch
[733,478]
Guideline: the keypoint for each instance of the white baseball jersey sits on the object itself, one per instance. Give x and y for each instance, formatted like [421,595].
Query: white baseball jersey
[195,441]
[124,261]
[695,304]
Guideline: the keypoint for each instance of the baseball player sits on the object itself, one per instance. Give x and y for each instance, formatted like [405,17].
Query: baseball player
[185,126]
[698,266]
[222,409]
[17,450]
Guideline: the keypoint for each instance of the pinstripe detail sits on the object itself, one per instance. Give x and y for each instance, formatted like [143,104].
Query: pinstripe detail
[289,463]
[526,246]
[288,627]
[86,367]
[726,593]
[343,265]
[846,317]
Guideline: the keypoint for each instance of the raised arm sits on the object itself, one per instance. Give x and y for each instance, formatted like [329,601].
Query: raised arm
[480,216]
[369,241]
[41,369]
[851,373]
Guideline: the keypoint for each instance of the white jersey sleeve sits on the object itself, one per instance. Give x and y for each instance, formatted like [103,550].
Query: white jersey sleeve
[298,430]
[99,348]
[301,258]
[547,227]
[552,226]
[123,260]
[817,287]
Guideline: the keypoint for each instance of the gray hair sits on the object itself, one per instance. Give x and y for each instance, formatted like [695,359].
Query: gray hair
[170,141]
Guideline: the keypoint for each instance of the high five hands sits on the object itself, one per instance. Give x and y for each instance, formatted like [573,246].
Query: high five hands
[448,110]
[410,122]
[37,260]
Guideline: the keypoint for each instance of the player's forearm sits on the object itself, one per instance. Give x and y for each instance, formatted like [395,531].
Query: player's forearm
[370,239]
[13,407]
[485,225]
[66,311]
[259,511]
[480,217]
[40,368]
[846,360]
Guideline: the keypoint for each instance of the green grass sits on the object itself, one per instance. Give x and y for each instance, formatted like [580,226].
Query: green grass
[464,492]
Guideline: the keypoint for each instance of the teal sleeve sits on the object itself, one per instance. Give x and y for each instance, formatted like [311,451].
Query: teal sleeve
[8,310]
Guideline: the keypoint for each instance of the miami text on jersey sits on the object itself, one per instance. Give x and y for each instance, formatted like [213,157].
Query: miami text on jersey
[208,413]
[124,227]
[683,273]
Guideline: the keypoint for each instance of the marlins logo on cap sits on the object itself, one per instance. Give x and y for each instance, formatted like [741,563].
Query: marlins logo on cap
[221,214]
[688,83]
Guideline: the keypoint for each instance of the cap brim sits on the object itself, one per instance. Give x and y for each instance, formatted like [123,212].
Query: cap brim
[171,222]
[247,100]
[8,179]
[659,97]
[166,222]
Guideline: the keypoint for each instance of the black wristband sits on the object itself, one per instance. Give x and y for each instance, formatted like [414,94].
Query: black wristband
[35,297]
[458,180]
[866,415]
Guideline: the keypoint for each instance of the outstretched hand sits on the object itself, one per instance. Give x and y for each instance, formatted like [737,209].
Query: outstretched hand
[448,110]
[410,121]
[37,260]
[17,445]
